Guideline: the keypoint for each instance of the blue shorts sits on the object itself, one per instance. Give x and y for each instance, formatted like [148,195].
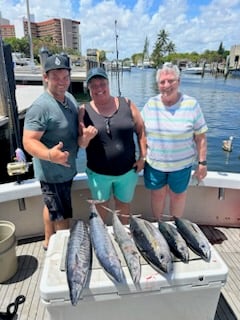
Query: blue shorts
[103,186]
[57,198]
[177,180]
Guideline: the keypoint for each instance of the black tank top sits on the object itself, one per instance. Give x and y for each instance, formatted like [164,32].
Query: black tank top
[112,151]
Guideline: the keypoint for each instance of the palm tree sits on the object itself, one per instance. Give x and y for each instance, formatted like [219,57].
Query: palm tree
[162,47]
[170,48]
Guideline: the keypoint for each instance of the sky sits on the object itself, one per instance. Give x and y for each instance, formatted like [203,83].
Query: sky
[192,25]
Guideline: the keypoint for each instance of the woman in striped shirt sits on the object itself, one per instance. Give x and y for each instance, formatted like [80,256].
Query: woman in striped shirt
[175,130]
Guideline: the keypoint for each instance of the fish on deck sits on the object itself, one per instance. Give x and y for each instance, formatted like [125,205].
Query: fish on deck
[128,248]
[104,248]
[151,244]
[175,241]
[194,238]
[78,260]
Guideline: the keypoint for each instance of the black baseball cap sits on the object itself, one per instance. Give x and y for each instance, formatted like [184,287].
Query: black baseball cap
[96,72]
[55,62]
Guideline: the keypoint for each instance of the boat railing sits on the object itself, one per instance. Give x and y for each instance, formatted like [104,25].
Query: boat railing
[31,187]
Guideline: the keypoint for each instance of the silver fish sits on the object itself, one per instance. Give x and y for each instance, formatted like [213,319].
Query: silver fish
[175,241]
[151,244]
[104,248]
[128,248]
[78,260]
[194,238]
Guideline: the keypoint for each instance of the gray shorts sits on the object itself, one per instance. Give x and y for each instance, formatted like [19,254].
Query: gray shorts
[57,198]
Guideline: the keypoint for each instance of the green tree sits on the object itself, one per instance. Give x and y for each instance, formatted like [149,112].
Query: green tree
[170,47]
[145,54]
[221,49]
[163,46]
[19,45]
[136,57]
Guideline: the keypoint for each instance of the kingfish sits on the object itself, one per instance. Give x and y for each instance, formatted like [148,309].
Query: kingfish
[175,241]
[128,248]
[194,238]
[104,248]
[151,244]
[78,260]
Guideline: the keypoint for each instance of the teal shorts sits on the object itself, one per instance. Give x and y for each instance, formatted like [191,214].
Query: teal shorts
[103,186]
[177,180]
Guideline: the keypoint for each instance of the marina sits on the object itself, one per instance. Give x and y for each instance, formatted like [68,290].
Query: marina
[213,204]
[204,287]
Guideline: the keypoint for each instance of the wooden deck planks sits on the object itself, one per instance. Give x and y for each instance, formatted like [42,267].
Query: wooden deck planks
[226,242]
[31,260]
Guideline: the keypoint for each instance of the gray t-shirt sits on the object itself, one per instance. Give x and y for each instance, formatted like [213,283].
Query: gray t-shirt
[59,123]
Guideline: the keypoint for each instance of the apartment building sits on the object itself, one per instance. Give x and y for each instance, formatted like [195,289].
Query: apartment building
[64,32]
[7,30]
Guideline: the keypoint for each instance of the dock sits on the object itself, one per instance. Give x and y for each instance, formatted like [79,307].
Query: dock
[27,75]
[31,260]
[29,86]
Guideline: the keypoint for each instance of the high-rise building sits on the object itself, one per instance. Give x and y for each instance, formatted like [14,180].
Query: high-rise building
[64,32]
[7,30]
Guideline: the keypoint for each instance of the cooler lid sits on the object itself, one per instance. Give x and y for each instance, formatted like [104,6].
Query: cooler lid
[197,272]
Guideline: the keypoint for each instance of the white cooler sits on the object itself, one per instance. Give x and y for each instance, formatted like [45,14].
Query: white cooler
[190,291]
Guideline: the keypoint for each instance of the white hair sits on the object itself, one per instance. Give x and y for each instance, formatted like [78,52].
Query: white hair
[168,67]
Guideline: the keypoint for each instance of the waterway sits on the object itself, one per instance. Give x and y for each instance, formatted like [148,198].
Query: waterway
[219,99]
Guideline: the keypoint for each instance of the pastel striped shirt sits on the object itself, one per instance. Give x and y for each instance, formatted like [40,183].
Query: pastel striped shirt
[170,132]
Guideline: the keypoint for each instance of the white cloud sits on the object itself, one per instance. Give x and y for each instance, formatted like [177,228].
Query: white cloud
[215,22]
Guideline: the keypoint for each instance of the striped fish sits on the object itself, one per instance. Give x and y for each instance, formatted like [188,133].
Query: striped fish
[128,248]
[104,248]
[151,244]
[78,260]
[175,241]
[194,238]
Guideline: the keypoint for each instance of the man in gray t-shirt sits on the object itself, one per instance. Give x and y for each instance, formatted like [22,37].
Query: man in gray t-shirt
[50,135]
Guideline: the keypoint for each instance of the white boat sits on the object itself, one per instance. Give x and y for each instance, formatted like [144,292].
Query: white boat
[214,203]
[196,70]
[204,205]
[235,72]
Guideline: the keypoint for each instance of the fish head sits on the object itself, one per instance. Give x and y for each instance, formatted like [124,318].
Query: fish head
[166,262]
[134,224]
[93,214]
[205,251]
[183,251]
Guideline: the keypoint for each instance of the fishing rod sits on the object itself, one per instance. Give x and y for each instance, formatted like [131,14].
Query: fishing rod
[20,165]
[117,66]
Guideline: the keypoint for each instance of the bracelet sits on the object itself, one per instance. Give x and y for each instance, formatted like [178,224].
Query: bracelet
[203,163]
[49,155]
[143,158]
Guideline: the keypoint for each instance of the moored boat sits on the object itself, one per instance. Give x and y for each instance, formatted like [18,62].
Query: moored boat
[196,70]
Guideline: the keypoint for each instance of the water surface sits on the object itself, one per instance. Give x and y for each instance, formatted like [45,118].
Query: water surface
[219,99]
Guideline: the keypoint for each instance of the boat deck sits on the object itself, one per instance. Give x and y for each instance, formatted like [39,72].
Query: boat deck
[31,259]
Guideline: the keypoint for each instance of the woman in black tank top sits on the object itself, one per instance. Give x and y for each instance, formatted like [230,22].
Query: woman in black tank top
[107,127]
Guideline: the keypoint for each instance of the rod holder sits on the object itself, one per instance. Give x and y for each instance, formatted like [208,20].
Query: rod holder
[21,204]
[221,193]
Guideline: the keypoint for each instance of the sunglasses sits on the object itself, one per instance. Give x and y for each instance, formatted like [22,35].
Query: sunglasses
[107,125]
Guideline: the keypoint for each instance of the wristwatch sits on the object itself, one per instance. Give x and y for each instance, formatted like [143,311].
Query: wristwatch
[203,163]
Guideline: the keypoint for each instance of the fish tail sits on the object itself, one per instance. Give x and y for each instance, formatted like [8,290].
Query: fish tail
[93,202]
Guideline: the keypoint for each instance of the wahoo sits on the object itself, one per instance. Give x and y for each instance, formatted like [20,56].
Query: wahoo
[78,260]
